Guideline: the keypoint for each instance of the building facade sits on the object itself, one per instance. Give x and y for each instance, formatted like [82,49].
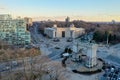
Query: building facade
[29,21]
[69,32]
[13,31]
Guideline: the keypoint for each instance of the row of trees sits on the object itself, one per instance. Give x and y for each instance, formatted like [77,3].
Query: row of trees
[107,34]
[89,26]
[78,23]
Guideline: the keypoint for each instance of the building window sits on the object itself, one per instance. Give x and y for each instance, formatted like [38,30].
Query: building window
[63,33]
[55,34]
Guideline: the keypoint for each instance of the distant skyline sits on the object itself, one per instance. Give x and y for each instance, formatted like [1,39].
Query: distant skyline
[88,10]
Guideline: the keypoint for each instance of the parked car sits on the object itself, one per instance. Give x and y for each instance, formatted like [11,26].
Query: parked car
[56,40]
[69,39]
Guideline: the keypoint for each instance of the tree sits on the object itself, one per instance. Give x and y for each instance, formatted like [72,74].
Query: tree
[97,36]
[56,71]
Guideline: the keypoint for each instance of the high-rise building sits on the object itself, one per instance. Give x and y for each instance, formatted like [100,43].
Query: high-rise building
[13,31]
[67,20]
[28,21]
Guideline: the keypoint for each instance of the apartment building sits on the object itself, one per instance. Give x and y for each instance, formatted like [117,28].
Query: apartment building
[13,31]
[29,21]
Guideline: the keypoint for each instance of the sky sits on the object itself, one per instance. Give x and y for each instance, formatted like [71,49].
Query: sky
[88,10]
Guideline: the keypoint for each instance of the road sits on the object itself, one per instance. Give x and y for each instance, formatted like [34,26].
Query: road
[47,46]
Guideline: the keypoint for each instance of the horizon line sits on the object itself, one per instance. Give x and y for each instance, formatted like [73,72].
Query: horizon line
[93,18]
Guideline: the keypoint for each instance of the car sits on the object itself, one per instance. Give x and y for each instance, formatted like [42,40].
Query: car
[7,67]
[14,63]
[57,47]
[56,40]
[69,39]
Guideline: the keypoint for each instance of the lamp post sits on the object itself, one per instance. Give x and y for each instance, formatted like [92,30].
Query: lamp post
[0,76]
[107,38]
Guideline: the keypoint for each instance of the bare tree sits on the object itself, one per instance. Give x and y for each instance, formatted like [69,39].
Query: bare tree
[56,71]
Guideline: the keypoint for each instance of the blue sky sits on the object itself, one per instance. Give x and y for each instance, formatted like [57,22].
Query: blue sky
[90,10]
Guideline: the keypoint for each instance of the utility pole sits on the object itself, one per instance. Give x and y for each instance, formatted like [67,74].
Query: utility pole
[107,38]
[0,76]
